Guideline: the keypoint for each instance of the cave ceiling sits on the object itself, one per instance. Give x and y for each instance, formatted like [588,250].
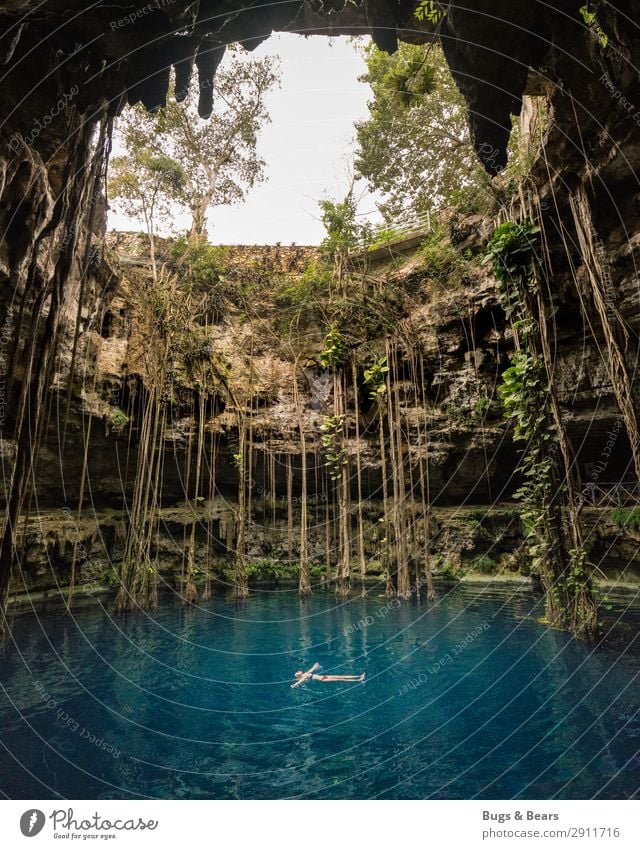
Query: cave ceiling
[115,53]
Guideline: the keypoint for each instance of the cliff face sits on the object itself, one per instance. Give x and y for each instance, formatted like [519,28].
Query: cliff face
[270,341]
[65,305]
[459,326]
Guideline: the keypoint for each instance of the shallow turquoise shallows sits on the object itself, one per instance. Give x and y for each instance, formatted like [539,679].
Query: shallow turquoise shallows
[469,697]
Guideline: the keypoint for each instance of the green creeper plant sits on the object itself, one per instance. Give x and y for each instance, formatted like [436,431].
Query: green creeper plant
[334,350]
[529,401]
[332,432]
[374,378]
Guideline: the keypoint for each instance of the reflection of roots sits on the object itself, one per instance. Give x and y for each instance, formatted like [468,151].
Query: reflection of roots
[190,593]
[431,590]
[206,592]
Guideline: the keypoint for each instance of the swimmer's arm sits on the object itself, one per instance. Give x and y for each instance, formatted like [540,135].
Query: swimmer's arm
[306,676]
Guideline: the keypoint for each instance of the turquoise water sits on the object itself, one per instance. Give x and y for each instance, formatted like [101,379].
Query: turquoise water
[469,697]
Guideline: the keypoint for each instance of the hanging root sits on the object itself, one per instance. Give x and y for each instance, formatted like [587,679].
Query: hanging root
[343,586]
[431,590]
[241,589]
[138,587]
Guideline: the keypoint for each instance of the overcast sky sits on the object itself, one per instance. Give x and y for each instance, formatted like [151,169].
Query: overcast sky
[308,146]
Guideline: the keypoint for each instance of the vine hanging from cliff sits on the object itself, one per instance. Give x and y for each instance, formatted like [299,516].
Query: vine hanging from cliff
[529,398]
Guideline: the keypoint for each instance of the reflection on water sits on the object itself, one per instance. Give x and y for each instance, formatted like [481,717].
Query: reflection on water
[467,697]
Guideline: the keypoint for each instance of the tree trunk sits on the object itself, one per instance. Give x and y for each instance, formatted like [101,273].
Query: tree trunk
[199,208]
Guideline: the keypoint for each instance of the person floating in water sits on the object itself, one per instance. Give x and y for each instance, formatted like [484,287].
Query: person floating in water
[310,675]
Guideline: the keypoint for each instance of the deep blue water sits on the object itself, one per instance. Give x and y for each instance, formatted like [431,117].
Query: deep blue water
[468,697]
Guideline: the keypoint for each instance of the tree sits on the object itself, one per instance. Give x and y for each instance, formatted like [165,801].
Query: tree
[344,232]
[147,184]
[219,155]
[415,147]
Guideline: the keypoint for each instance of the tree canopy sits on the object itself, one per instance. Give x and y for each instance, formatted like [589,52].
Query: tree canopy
[415,149]
[218,157]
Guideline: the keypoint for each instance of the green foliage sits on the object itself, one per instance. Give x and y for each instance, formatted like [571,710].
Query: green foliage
[344,233]
[523,386]
[369,313]
[627,519]
[196,347]
[577,577]
[471,413]
[202,271]
[218,157]
[442,262]
[414,148]
[482,407]
[118,419]
[524,394]
[427,10]
[307,289]
[591,20]
[514,251]
[332,437]
[270,570]
[449,572]
[411,81]
[374,378]
[316,571]
[524,391]
[383,236]
[201,264]
[334,351]
[485,564]
[146,183]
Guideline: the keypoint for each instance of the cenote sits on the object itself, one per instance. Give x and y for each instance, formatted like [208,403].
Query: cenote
[468,697]
[246,410]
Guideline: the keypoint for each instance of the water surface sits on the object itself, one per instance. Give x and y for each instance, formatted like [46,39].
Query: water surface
[469,697]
